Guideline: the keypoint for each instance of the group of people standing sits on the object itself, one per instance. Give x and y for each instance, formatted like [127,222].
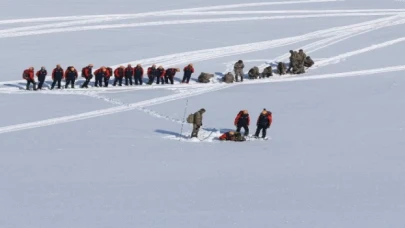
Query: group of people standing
[128,75]
[242,121]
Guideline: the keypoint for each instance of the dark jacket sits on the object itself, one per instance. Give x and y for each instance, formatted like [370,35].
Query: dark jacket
[100,73]
[152,72]
[57,73]
[160,72]
[171,72]
[129,72]
[41,74]
[242,119]
[265,120]
[188,71]
[138,72]
[71,74]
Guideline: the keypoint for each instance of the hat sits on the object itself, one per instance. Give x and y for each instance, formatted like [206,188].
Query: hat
[202,110]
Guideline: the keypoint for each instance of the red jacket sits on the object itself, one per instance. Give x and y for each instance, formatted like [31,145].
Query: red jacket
[226,136]
[28,74]
[86,72]
[119,72]
[242,119]
[161,72]
[189,69]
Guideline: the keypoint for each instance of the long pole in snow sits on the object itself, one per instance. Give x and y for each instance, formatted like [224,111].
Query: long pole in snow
[184,118]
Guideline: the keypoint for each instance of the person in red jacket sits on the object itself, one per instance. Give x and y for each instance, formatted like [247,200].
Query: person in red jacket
[263,123]
[87,73]
[107,76]
[119,75]
[41,75]
[129,73]
[100,75]
[70,76]
[57,76]
[152,74]
[28,75]
[138,74]
[242,120]
[232,136]
[188,71]
[170,73]
[160,75]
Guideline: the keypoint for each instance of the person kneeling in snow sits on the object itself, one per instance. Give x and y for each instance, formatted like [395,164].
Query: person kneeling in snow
[232,136]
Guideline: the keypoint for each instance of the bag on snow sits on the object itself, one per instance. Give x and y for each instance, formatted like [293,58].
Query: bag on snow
[190,118]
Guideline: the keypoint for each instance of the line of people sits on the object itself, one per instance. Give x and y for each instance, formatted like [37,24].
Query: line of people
[128,75]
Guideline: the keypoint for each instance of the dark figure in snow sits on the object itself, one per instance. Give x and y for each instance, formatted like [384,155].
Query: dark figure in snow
[57,76]
[267,72]
[293,61]
[197,123]
[28,75]
[281,68]
[242,120]
[308,62]
[238,68]
[254,73]
[87,74]
[152,74]
[100,75]
[160,75]
[263,123]
[228,78]
[138,74]
[188,71]
[119,75]
[70,76]
[107,76]
[232,136]
[41,74]
[169,75]
[129,73]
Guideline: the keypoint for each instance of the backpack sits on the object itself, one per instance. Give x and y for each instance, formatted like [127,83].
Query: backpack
[190,118]
[83,71]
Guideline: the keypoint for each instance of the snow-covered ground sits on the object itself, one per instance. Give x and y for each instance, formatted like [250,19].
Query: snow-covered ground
[115,157]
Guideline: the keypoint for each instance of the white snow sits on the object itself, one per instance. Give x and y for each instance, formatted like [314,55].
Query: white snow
[121,156]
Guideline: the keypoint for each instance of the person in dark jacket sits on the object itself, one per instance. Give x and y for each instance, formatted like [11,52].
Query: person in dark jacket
[41,74]
[160,75]
[242,120]
[129,73]
[188,71]
[152,74]
[87,74]
[198,118]
[107,76]
[119,75]
[100,75]
[28,75]
[138,74]
[263,123]
[169,75]
[57,76]
[70,76]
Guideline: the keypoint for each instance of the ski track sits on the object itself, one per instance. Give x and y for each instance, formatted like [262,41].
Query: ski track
[219,7]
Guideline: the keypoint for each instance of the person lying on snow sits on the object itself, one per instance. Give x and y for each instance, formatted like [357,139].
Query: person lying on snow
[232,136]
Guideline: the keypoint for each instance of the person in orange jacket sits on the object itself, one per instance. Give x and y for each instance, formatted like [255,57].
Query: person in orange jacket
[28,75]
[263,123]
[242,120]
[232,136]
[119,73]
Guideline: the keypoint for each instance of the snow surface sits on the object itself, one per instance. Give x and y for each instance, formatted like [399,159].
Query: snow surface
[116,157]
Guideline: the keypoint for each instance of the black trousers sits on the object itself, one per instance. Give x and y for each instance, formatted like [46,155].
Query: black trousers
[106,81]
[138,80]
[186,78]
[119,80]
[86,83]
[34,84]
[56,80]
[41,81]
[160,79]
[70,81]
[128,79]
[245,127]
[99,81]
[169,79]
[151,79]
[261,128]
